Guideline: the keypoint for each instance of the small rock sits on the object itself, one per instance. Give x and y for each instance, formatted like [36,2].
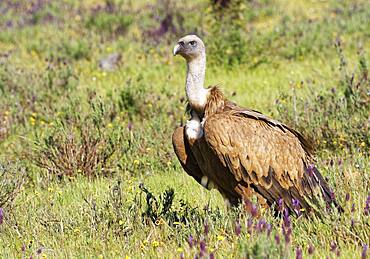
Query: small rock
[110,62]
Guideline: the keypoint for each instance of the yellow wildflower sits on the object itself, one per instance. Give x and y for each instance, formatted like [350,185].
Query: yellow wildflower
[110,125]
[363,144]
[120,222]
[180,250]
[155,244]
[136,162]
[32,120]
[220,238]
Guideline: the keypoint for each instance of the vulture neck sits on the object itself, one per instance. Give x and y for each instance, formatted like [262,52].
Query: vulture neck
[195,91]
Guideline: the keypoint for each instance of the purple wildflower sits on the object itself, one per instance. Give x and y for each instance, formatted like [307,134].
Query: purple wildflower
[332,195]
[286,227]
[280,204]
[286,218]
[182,256]
[206,228]
[296,206]
[130,125]
[353,208]
[333,246]
[202,247]
[367,206]
[191,241]
[340,161]
[260,226]
[364,251]
[237,228]
[311,249]
[298,253]
[1,216]
[310,170]
[23,248]
[277,238]
[347,197]
[211,256]
[254,211]
[352,223]
[268,229]
[249,225]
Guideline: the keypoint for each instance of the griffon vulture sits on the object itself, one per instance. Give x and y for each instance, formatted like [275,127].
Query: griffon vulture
[242,152]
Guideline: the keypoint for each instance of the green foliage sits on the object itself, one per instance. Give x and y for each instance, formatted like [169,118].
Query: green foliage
[110,19]
[233,39]
[227,45]
[74,49]
[336,118]
[99,177]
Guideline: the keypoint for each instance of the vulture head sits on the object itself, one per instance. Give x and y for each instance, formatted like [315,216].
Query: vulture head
[190,47]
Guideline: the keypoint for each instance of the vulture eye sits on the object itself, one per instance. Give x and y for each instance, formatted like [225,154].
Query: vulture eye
[192,43]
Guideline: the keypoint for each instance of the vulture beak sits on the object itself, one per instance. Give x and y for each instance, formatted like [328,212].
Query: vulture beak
[176,49]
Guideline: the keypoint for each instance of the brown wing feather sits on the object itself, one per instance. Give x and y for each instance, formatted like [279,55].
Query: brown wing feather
[264,153]
[184,154]
[196,158]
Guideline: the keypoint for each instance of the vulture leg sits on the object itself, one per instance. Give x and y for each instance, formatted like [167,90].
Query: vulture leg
[184,154]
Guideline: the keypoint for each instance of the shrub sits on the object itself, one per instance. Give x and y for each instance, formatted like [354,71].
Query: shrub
[12,178]
[78,145]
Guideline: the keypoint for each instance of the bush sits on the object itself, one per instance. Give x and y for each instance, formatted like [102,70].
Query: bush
[12,178]
[79,145]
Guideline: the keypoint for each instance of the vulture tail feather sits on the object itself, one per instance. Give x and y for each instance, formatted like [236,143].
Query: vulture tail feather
[327,193]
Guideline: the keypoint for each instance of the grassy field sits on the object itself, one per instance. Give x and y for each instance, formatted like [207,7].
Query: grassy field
[86,161]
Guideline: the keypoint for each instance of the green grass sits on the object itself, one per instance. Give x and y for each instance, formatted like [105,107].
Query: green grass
[52,89]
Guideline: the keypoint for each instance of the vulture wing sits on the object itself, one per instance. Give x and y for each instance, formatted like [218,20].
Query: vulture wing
[266,155]
[183,152]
